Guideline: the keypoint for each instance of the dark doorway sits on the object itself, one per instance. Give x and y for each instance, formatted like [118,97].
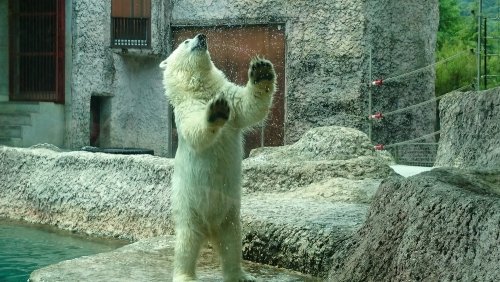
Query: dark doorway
[231,49]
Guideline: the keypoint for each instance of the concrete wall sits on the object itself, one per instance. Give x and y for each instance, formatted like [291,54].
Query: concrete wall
[327,47]
[137,108]
[4,51]
[327,59]
[402,36]
[47,126]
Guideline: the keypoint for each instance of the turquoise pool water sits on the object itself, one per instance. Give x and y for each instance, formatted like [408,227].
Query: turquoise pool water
[24,248]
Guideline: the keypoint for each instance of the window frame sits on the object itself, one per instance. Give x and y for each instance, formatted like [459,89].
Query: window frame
[132,27]
[58,95]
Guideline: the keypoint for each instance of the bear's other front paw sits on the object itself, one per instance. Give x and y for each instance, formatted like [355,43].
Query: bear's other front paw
[261,69]
[218,112]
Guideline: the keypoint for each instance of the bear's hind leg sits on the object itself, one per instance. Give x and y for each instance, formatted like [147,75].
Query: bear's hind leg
[227,241]
[187,248]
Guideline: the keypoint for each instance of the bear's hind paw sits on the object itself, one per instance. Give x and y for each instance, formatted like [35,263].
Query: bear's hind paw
[247,278]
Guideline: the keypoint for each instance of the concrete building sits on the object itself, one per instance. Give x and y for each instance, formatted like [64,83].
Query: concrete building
[105,89]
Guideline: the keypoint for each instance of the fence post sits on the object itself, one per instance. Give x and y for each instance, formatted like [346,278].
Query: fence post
[478,53]
[370,95]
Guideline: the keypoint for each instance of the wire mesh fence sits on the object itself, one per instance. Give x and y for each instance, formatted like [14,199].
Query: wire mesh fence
[415,154]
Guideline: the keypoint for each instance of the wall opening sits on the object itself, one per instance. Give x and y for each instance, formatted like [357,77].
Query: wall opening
[99,121]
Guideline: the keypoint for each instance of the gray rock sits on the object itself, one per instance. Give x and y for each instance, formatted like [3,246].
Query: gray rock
[148,260]
[470,129]
[325,143]
[93,193]
[297,210]
[322,153]
[302,229]
[402,37]
[442,225]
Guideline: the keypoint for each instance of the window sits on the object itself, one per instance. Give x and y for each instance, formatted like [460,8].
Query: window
[36,50]
[131,23]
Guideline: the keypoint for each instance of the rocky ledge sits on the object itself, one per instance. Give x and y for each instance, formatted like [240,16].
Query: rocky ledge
[442,225]
[300,202]
[149,260]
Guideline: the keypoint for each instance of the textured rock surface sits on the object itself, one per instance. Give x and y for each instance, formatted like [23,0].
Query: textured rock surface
[99,194]
[309,197]
[327,57]
[322,153]
[297,209]
[302,229]
[148,260]
[402,36]
[442,225]
[470,129]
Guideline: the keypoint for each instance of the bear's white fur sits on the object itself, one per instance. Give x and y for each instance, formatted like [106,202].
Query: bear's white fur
[211,113]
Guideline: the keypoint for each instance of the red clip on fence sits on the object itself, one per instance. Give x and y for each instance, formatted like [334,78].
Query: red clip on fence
[378,82]
[377,116]
[379,147]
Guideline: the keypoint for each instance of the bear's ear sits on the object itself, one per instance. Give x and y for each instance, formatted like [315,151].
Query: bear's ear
[163,64]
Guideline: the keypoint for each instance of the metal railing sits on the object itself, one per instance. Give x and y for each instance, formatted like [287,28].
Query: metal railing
[130,32]
[415,154]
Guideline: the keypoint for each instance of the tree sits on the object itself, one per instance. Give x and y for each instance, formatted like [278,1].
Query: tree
[456,35]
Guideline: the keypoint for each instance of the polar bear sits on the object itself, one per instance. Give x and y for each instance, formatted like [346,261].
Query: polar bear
[211,113]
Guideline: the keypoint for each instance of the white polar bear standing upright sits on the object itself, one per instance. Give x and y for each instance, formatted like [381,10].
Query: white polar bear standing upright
[211,113]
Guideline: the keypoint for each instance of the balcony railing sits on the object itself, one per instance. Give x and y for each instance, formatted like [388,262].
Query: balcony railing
[130,32]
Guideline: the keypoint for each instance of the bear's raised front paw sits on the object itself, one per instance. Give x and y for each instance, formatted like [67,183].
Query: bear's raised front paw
[218,112]
[261,69]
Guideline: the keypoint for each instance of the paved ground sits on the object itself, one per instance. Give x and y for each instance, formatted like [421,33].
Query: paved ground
[407,171]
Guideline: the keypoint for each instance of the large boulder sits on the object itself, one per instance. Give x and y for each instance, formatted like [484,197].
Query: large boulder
[470,131]
[98,194]
[301,229]
[304,200]
[322,153]
[442,225]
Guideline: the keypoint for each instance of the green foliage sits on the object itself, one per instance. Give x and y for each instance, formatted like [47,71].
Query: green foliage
[456,73]
[456,34]
[450,22]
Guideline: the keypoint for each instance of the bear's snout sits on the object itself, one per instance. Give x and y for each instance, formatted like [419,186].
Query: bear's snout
[201,42]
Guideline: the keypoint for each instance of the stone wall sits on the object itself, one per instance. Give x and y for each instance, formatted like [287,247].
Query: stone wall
[135,109]
[402,37]
[99,194]
[327,57]
[470,129]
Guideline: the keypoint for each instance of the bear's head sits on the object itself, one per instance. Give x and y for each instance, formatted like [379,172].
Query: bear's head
[190,55]
[188,70]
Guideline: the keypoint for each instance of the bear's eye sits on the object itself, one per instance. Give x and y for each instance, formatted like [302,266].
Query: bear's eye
[186,42]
